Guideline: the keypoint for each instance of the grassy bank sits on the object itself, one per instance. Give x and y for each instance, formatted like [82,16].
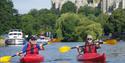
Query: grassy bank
[2,42]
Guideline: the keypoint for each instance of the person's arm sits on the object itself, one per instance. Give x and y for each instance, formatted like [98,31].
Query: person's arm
[40,47]
[24,48]
[78,49]
[98,45]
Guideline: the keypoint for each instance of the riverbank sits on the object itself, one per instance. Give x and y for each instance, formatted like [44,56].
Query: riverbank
[2,42]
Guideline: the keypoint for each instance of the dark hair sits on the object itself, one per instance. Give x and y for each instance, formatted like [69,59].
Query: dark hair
[33,38]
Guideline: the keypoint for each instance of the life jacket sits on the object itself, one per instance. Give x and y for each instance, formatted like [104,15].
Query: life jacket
[90,48]
[32,49]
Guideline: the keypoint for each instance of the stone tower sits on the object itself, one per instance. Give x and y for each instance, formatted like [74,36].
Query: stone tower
[123,4]
[109,5]
[80,3]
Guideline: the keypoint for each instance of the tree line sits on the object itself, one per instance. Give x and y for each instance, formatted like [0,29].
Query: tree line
[67,23]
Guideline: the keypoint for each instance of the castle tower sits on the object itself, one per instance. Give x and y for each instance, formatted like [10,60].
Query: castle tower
[56,3]
[123,4]
[80,3]
[103,5]
[96,3]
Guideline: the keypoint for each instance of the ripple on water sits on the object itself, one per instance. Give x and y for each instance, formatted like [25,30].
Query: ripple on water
[115,54]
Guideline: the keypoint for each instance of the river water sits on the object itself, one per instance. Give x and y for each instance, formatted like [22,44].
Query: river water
[114,54]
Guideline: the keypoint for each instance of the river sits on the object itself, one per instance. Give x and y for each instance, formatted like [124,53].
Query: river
[114,54]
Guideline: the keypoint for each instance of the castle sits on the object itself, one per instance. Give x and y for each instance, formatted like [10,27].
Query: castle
[107,6]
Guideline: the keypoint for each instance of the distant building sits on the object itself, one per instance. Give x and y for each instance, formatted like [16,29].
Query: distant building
[78,3]
[123,4]
[59,3]
[107,6]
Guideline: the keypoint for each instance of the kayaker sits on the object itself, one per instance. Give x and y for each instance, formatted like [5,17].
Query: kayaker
[31,47]
[42,36]
[89,47]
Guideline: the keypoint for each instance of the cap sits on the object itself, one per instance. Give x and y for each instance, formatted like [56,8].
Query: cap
[33,38]
[89,36]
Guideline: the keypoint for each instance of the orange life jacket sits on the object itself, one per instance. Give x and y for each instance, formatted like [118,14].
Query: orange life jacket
[32,49]
[90,48]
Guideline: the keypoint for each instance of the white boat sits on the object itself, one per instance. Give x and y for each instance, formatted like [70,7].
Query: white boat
[15,37]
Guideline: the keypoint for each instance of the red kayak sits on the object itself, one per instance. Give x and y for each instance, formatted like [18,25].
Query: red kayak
[32,58]
[91,57]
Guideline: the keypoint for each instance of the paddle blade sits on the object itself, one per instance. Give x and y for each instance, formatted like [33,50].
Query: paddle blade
[64,49]
[49,43]
[5,59]
[110,41]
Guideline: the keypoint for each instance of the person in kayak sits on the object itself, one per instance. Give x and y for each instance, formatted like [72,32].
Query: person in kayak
[89,47]
[31,47]
[42,36]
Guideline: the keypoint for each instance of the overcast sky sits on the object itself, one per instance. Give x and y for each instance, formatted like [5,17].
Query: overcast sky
[24,6]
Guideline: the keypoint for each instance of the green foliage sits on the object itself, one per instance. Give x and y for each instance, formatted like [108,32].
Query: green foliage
[87,26]
[37,21]
[1,37]
[47,21]
[66,25]
[117,20]
[8,16]
[86,10]
[54,10]
[68,7]
[27,24]
[72,25]
[103,19]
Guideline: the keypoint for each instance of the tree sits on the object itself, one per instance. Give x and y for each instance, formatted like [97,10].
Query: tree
[55,10]
[117,21]
[7,16]
[37,21]
[66,24]
[73,25]
[68,7]
[86,10]
[103,19]
[34,12]
[27,24]
[46,20]
[87,26]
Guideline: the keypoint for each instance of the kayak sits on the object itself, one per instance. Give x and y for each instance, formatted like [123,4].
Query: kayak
[32,58]
[91,57]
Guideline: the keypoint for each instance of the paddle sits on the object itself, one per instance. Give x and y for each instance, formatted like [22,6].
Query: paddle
[110,41]
[65,49]
[7,58]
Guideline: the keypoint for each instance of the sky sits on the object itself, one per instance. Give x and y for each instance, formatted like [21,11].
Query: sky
[24,6]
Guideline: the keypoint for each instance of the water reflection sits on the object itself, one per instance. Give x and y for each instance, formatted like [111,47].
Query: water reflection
[6,62]
[92,62]
[63,62]
[114,54]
